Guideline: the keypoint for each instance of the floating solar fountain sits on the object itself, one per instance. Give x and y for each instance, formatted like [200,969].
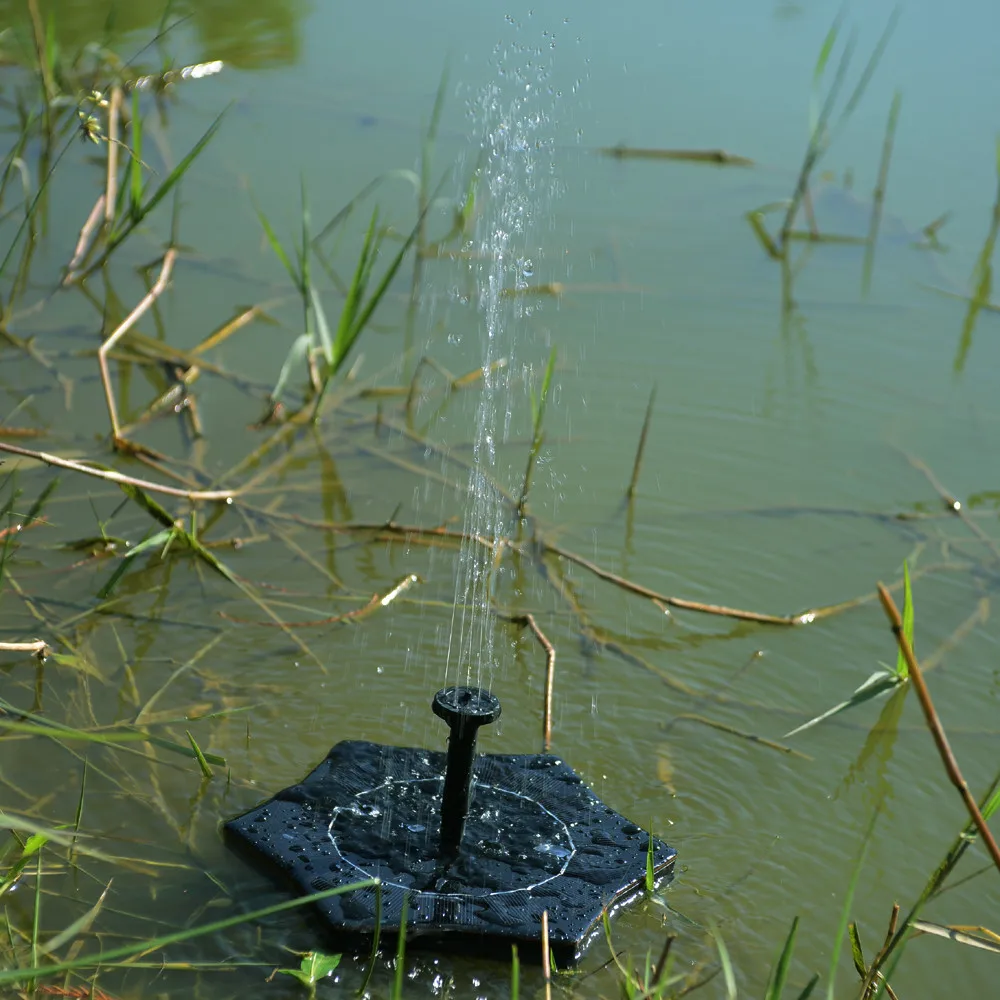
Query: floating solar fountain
[479,846]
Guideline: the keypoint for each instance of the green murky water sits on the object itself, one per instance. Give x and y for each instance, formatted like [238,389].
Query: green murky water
[788,409]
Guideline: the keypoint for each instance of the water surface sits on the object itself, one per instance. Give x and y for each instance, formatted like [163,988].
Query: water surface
[786,417]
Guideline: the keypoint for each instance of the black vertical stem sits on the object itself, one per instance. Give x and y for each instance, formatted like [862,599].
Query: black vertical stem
[465,709]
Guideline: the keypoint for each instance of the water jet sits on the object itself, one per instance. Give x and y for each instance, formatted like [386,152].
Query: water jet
[480,845]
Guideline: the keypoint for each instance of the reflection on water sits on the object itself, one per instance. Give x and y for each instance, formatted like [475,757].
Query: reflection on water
[249,34]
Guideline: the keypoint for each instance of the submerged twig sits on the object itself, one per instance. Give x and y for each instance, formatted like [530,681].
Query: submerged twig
[934,724]
[952,503]
[978,617]
[718,157]
[111,476]
[637,465]
[742,734]
[676,602]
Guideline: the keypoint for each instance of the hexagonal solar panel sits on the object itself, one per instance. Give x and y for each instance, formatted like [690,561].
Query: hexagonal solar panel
[536,839]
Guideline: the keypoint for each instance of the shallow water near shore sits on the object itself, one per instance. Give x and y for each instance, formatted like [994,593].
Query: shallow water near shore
[806,433]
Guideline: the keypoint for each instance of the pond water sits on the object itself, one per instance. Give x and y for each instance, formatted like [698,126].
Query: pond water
[809,422]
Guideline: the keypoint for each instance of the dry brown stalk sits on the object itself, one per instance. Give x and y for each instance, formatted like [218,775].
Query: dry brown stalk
[357,614]
[111,476]
[550,671]
[934,724]
[546,961]
[36,646]
[228,328]
[872,980]
[379,527]
[83,241]
[126,324]
[676,602]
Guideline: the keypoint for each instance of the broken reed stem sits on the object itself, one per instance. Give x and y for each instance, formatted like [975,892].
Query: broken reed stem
[83,242]
[126,324]
[880,957]
[37,646]
[111,184]
[357,614]
[550,674]
[117,477]
[934,724]
[677,602]
[722,727]
[546,960]
[637,465]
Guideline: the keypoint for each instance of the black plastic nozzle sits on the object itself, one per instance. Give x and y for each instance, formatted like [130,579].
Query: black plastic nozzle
[465,709]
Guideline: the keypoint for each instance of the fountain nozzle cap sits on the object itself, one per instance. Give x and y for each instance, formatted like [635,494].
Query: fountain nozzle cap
[463,706]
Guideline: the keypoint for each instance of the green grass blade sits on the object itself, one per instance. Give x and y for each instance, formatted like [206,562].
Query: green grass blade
[36,508]
[147,503]
[112,738]
[155,944]
[991,805]
[135,161]
[78,818]
[543,394]
[650,872]
[902,670]
[36,916]
[152,542]
[303,252]
[873,60]
[779,974]
[322,327]
[33,844]
[397,979]
[515,974]
[845,914]
[376,938]
[807,990]
[79,926]
[202,763]
[181,169]
[295,358]
[381,289]
[347,330]
[172,179]
[279,250]
[821,60]
[857,952]
[728,974]
[878,684]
